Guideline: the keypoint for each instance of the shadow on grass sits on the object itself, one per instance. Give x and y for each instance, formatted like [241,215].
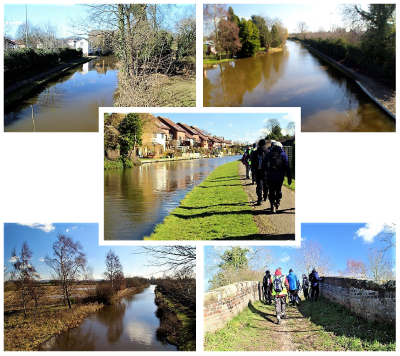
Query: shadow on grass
[210,206]
[261,237]
[265,316]
[339,320]
[242,212]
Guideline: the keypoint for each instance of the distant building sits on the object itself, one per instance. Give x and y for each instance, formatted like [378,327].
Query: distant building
[210,47]
[9,44]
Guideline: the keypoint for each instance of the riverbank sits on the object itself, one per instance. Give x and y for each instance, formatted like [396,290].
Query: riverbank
[177,322]
[118,164]
[215,209]
[381,94]
[26,334]
[24,87]
[211,61]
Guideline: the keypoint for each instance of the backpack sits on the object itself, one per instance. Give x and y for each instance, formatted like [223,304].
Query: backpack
[311,277]
[248,155]
[260,160]
[306,283]
[274,161]
[278,286]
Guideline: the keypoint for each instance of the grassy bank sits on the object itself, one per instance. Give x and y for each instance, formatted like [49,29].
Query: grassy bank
[211,61]
[216,209]
[51,317]
[292,186]
[22,334]
[177,323]
[321,326]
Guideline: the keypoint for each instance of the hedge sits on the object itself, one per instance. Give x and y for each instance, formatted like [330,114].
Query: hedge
[380,63]
[24,61]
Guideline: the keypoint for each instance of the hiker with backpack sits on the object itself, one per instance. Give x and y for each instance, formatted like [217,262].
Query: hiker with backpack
[246,160]
[253,172]
[314,280]
[276,165]
[279,288]
[267,287]
[305,285]
[258,171]
[294,286]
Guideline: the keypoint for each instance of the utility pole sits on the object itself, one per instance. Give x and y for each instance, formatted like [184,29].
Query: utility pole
[26,25]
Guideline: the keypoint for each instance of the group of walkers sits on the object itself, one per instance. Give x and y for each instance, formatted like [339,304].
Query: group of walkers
[268,166]
[278,287]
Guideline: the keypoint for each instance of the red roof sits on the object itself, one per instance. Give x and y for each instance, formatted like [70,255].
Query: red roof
[200,133]
[188,129]
[170,123]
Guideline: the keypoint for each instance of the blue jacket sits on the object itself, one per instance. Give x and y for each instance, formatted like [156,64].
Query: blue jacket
[294,282]
[277,174]
[315,279]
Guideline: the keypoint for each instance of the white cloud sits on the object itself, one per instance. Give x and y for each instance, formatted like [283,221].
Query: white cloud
[74,227]
[230,125]
[13,23]
[288,117]
[47,227]
[369,232]
[285,257]
[210,123]
[41,259]
[66,230]
[13,259]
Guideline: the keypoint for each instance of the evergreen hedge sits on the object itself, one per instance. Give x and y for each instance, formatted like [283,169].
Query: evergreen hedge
[24,61]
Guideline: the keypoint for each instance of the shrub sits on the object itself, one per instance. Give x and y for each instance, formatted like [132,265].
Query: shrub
[104,293]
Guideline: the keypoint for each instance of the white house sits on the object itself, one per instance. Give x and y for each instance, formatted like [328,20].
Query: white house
[84,44]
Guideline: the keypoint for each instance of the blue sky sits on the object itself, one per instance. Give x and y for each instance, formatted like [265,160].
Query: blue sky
[315,15]
[40,238]
[57,14]
[339,241]
[236,127]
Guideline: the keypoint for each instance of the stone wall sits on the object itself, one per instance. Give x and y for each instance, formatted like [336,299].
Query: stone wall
[369,300]
[222,304]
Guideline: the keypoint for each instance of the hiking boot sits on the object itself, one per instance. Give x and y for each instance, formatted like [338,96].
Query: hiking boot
[259,202]
[273,209]
[283,316]
[265,197]
[278,321]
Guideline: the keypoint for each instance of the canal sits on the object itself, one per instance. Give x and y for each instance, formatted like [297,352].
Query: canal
[68,103]
[139,198]
[295,77]
[128,325]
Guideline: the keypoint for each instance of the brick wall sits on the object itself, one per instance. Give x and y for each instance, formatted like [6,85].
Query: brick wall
[369,300]
[222,304]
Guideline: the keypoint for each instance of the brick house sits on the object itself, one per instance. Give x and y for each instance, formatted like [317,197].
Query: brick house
[177,136]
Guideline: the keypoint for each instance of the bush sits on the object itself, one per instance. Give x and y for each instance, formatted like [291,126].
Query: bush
[104,293]
[22,62]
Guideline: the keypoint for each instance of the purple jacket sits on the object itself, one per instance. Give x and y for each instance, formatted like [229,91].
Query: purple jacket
[277,174]
[315,279]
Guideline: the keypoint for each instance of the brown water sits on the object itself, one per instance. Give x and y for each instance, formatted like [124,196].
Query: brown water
[68,103]
[295,77]
[129,325]
[139,198]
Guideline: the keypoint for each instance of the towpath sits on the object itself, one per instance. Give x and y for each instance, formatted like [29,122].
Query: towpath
[282,223]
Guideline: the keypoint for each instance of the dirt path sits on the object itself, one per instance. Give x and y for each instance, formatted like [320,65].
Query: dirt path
[282,223]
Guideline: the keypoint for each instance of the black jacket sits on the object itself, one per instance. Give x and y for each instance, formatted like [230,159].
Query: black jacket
[254,158]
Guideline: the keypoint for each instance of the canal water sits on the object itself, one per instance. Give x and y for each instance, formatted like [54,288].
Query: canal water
[295,77]
[68,103]
[137,199]
[129,325]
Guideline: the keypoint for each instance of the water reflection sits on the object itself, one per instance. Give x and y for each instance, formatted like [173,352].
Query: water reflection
[137,199]
[295,77]
[69,102]
[129,325]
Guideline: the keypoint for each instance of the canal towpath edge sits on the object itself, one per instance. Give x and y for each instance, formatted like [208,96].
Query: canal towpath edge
[23,87]
[281,223]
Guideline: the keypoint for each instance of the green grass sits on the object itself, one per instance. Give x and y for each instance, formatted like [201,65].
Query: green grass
[216,209]
[209,61]
[321,326]
[292,186]
[350,332]
[179,91]
[112,164]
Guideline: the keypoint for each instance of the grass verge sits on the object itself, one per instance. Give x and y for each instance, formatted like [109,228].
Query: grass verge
[179,91]
[216,209]
[178,323]
[321,326]
[22,334]
[210,61]
[112,164]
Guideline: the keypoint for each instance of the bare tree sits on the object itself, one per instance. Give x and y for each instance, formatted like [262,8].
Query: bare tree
[311,255]
[291,128]
[68,263]
[355,269]
[113,270]
[380,268]
[388,236]
[212,14]
[23,272]
[302,28]
[171,258]
[36,292]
